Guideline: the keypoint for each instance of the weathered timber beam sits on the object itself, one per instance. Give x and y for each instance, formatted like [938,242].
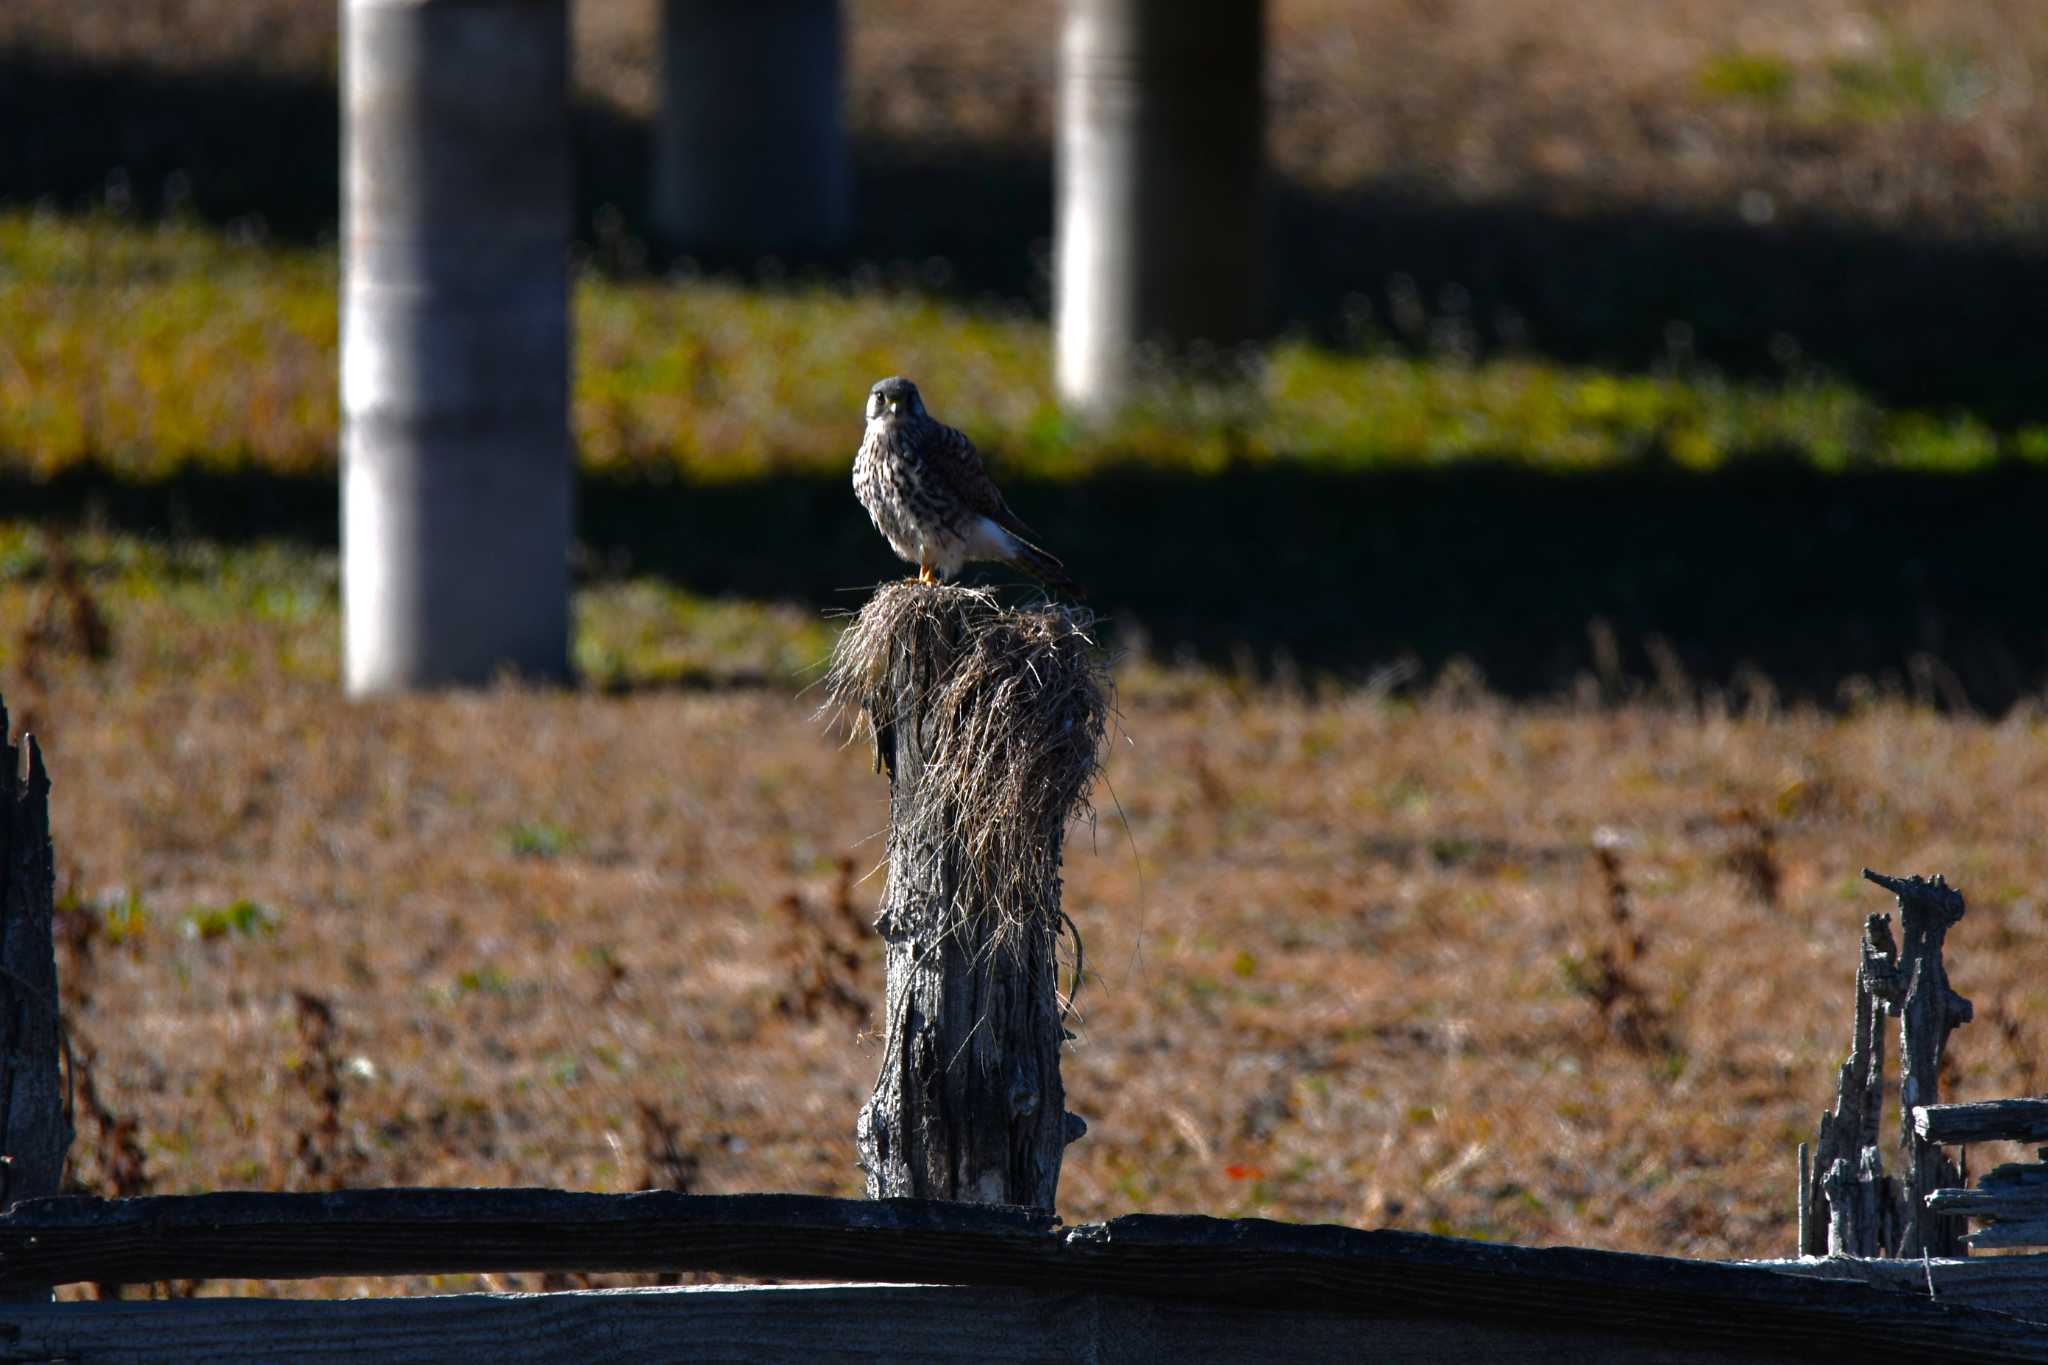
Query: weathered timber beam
[1249,1263]
[800,1325]
[457,1231]
[2017,1285]
[2021,1214]
[2027,1201]
[1985,1121]
[2031,1232]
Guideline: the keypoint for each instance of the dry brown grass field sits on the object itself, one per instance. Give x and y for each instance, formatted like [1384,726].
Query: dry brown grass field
[1545,972]
[1553,969]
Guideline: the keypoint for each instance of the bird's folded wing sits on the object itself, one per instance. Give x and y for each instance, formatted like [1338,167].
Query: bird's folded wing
[953,458]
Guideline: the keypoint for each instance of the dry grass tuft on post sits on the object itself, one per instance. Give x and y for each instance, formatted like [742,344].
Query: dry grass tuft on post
[1010,709]
[990,722]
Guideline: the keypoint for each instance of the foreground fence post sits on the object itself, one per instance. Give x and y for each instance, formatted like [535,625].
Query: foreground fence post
[990,724]
[37,1130]
[1929,1010]
[1161,160]
[1848,1206]
[455,341]
[1832,1219]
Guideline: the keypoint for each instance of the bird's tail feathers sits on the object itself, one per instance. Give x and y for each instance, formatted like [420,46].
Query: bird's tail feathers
[1046,568]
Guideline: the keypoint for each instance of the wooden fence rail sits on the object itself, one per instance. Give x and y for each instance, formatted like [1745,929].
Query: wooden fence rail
[809,1324]
[1245,1266]
[1983,1121]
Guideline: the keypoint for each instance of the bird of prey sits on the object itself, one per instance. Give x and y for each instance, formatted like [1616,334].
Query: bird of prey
[931,499]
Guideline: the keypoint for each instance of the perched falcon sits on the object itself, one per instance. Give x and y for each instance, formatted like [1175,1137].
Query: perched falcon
[923,484]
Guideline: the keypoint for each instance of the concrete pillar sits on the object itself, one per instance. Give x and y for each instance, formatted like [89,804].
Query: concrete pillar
[456,470]
[1161,153]
[750,144]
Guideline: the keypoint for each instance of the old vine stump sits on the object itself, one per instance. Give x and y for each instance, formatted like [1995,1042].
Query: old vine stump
[989,721]
[37,1132]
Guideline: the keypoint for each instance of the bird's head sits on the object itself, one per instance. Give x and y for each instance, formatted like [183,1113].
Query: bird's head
[894,398]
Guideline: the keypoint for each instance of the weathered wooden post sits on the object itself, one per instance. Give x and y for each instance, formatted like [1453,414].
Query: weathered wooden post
[1848,1206]
[1161,155]
[1831,1221]
[32,1108]
[455,341]
[1929,1010]
[750,144]
[990,723]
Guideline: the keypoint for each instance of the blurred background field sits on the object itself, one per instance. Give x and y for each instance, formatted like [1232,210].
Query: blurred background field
[1539,269]
[1651,444]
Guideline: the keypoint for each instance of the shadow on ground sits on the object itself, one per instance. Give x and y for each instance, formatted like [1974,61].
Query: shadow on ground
[1915,320]
[1815,585]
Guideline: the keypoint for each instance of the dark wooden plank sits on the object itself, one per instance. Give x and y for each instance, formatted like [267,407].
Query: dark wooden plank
[2016,1285]
[800,1325]
[1242,1262]
[1683,1300]
[2027,1232]
[456,1231]
[1984,1121]
[2024,1201]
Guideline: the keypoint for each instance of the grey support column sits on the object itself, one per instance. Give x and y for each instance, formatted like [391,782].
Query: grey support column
[456,468]
[750,145]
[1161,150]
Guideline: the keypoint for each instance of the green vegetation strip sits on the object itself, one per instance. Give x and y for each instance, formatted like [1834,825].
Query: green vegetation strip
[174,600]
[149,348]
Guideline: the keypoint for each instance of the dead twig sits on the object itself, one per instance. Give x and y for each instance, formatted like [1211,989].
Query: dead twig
[327,1160]
[1606,972]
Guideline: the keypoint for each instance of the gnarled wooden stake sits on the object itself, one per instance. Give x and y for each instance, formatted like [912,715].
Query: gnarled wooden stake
[990,723]
[34,1125]
[1929,1010]
[1848,1205]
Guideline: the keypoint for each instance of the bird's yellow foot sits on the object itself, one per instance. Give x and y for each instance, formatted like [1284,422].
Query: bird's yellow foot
[925,574]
